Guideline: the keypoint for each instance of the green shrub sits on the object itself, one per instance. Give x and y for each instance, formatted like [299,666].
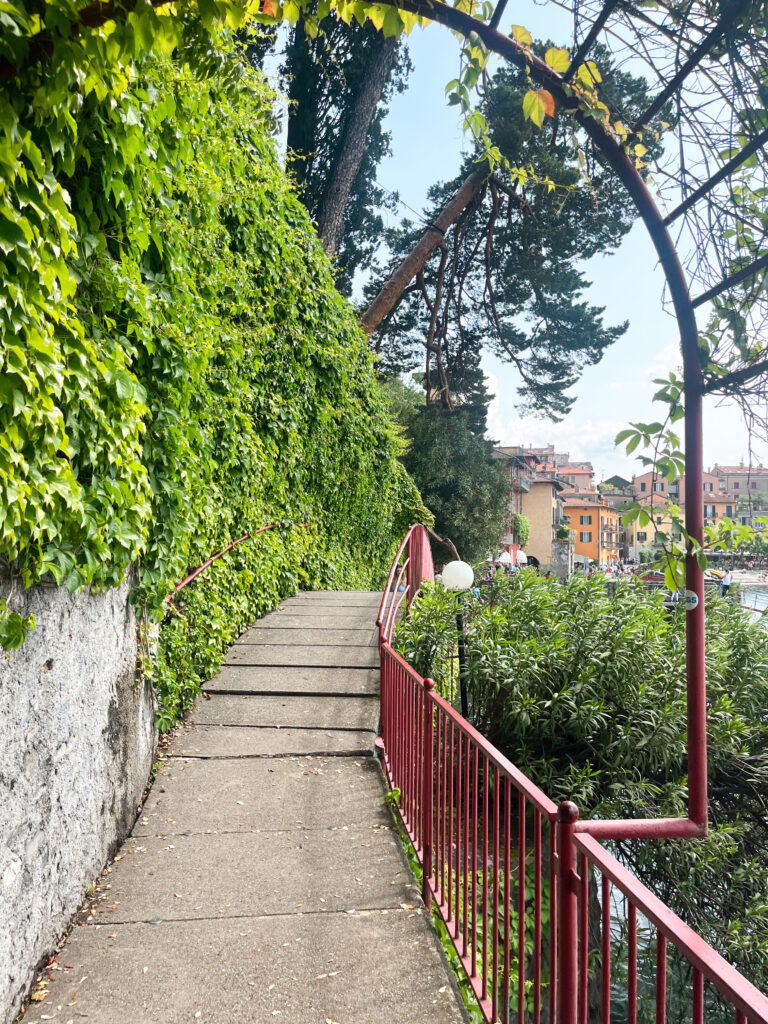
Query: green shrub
[586,693]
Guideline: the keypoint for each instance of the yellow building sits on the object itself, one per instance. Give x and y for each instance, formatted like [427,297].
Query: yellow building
[543,508]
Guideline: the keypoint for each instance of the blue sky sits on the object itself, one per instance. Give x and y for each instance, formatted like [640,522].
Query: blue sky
[427,145]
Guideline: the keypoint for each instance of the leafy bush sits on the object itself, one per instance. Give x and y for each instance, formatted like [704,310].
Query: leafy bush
[176,366]
[585,692]
[521,528]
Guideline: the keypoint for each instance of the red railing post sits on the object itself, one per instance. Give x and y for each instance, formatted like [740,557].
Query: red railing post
[427,782]
[567,916]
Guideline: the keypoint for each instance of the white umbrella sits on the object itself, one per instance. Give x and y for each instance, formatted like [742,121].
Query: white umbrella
[522,558]
[505,558]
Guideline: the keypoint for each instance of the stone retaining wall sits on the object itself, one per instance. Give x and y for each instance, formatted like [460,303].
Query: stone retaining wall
[77,741]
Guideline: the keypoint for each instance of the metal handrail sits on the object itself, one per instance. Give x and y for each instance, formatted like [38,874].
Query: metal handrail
[388,585]
[209,561]
[748,999]
[457,806]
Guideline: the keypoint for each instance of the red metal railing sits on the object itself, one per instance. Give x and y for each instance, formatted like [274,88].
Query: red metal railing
[209,561]
[515,878]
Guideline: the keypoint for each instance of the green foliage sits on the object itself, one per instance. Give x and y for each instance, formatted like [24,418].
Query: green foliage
[177,367]
[13,628]
[585,692]
[510,279]
[521,528]
[460,482]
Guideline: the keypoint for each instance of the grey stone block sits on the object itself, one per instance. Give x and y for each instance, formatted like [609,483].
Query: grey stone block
[346,968]
[309,712]
[226,741]
[304,657]
[364,637]
[264,679]
[203,796]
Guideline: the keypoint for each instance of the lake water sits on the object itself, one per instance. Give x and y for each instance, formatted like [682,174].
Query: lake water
[754,596]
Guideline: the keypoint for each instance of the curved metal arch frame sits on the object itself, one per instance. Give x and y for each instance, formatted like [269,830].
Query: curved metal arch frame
[696,822]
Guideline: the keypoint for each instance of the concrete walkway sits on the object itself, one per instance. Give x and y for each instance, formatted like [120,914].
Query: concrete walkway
[264,879]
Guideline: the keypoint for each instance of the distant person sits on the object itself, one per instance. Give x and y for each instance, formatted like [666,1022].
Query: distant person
[725,583]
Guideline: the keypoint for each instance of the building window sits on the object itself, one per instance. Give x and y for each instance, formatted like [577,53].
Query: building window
[585,538]
[709,511]
[658,520]
[707,487]
[585,520]
[729,510]
[735,485]
[641,538]
[659,488]
[642,486]
[753,485]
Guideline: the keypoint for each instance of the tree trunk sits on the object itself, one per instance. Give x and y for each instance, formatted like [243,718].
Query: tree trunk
[398,281]
[303,115]
[378,67]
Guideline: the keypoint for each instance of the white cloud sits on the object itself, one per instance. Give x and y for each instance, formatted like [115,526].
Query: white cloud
[668,359]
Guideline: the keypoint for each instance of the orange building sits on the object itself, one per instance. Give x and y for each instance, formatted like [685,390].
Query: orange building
[595,526]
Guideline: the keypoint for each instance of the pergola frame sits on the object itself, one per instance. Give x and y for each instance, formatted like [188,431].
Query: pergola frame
[694,386]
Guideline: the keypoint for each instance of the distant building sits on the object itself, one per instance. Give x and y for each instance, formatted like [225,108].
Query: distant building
[543,507]
[520,467]
[657,491]
[617,497]
[577,476]
[595,525]
[616,483]
[741,480]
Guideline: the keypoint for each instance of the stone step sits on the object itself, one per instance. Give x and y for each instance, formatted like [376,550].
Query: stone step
[364,637]
[346,968]
[303,656]
[312,619]
[221,741]
[316,681]
[358,601]
[263,794]
[344,713]
[258,873]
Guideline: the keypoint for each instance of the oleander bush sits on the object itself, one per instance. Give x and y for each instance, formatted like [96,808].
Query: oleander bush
[176,366]
[583,687]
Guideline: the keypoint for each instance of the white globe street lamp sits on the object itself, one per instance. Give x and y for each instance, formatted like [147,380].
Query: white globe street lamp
[458,576]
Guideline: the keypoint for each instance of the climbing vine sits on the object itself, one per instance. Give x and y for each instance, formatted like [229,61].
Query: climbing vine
[176,367]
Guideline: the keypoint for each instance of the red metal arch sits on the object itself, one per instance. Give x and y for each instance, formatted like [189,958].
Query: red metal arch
[696,822]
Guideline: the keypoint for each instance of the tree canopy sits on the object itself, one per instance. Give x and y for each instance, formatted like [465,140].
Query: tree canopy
[506,274]
[176,367]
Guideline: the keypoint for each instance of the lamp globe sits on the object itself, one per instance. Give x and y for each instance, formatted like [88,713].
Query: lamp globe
[458,576]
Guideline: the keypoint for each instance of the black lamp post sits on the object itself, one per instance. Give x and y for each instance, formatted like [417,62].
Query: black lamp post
[459,577]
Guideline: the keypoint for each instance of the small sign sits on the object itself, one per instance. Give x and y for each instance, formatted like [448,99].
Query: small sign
[691,600]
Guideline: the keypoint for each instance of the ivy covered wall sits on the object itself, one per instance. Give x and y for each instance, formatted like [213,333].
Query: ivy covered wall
[176,367]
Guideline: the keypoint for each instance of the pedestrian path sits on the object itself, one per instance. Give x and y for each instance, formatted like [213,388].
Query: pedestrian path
[264,879]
